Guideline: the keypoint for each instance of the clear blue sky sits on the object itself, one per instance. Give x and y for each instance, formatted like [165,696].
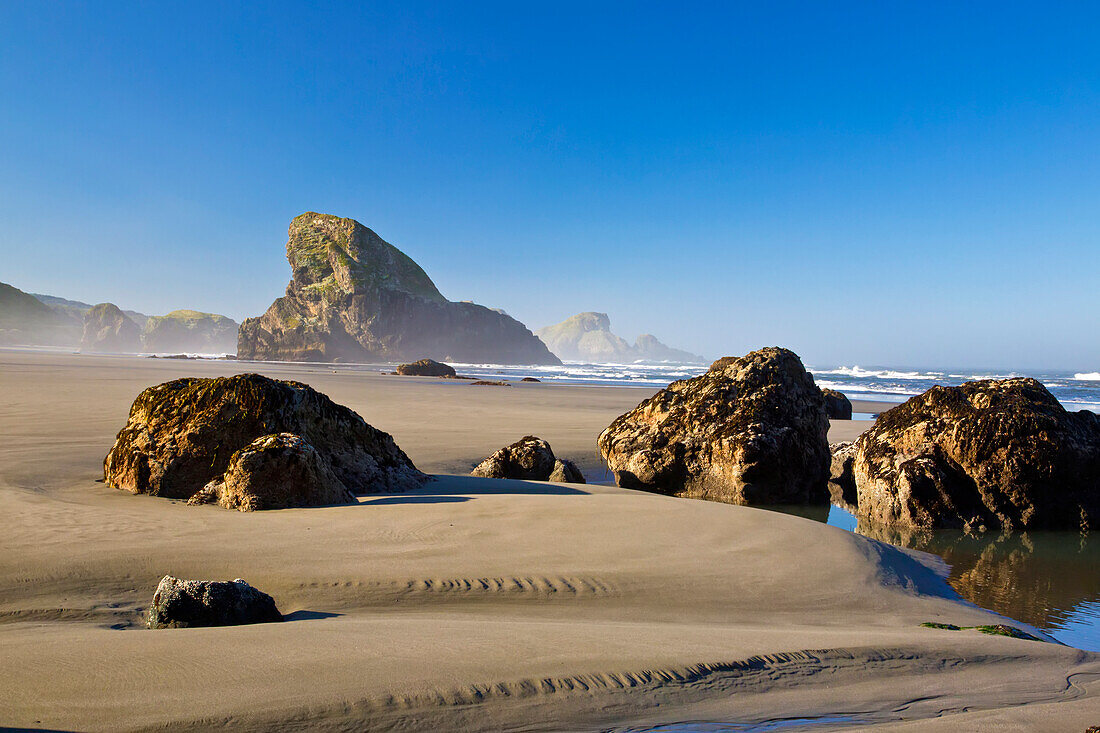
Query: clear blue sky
[877,183]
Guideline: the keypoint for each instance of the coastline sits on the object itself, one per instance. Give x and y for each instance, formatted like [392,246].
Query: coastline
[469,603]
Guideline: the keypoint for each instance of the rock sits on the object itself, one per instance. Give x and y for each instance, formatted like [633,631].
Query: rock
[275,472]
[426,368]
[107,329]
[354,296]
[588,337]
[530,379]
[987,454]
[842,483]
[27,321]
[182,603]
[720,364]
[489,383]
[181,435]
[190,331]
[752,430]
[566,472]
[837,405]
[529,458]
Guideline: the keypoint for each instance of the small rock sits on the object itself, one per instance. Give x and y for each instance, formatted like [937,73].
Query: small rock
[530,379]
[426,368]
[489,383]
[837,405]
[181,603]
[529,458]
[566,472]
[842,483]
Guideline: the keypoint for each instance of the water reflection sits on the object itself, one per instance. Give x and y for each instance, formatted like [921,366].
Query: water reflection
[1050,580]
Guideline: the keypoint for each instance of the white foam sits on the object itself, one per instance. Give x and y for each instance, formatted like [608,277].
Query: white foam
[1087,376]
[861,373]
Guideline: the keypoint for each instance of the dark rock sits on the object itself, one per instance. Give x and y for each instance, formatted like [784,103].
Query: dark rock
[987,454]
[426,368]
[181,435]
[529,458]
[275,472]
[354,296]
[842,483]
[489,383]
[530,379]
[752,430]
[182,603]
[837,405]
[107,329]
[566,472]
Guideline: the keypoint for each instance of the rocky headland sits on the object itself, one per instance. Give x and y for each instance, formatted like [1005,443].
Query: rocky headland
[107,329]
[588,337]
[355,297]
[752,430]
[27,321]
[190,331]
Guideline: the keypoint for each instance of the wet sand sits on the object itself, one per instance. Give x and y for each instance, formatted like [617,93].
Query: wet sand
[470,603]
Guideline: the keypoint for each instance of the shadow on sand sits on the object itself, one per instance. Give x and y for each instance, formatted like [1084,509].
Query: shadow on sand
[309,615]
[451,489]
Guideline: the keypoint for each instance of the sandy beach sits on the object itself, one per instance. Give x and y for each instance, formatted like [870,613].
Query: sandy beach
[474,604]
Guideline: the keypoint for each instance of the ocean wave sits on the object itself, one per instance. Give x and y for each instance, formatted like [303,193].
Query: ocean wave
[859,372]
[1087,376]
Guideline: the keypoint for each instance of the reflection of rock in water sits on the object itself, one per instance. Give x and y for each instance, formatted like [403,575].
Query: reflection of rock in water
[1037,577]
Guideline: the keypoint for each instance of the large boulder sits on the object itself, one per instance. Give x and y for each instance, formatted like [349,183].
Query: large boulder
[837,405]
[107,329]
[752,430]
[355,297]
[181,435]
[426,368]
[190,331]
[275,472]
[529,459]
[991,453]
[181,603]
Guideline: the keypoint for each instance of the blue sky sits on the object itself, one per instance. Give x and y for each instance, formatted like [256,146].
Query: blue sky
[878,183]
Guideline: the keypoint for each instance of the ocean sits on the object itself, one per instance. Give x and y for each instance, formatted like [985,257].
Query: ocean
[1076,390]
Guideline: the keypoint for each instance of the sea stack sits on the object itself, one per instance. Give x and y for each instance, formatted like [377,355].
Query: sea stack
[588,337]
[355,297]
[752,430]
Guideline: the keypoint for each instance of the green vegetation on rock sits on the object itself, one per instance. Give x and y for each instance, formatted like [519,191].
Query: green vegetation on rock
[993,630]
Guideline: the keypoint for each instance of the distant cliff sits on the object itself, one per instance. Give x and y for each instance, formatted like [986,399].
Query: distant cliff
[107,329]
[355,297]
[190,331]
[588,337]
[27,321]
